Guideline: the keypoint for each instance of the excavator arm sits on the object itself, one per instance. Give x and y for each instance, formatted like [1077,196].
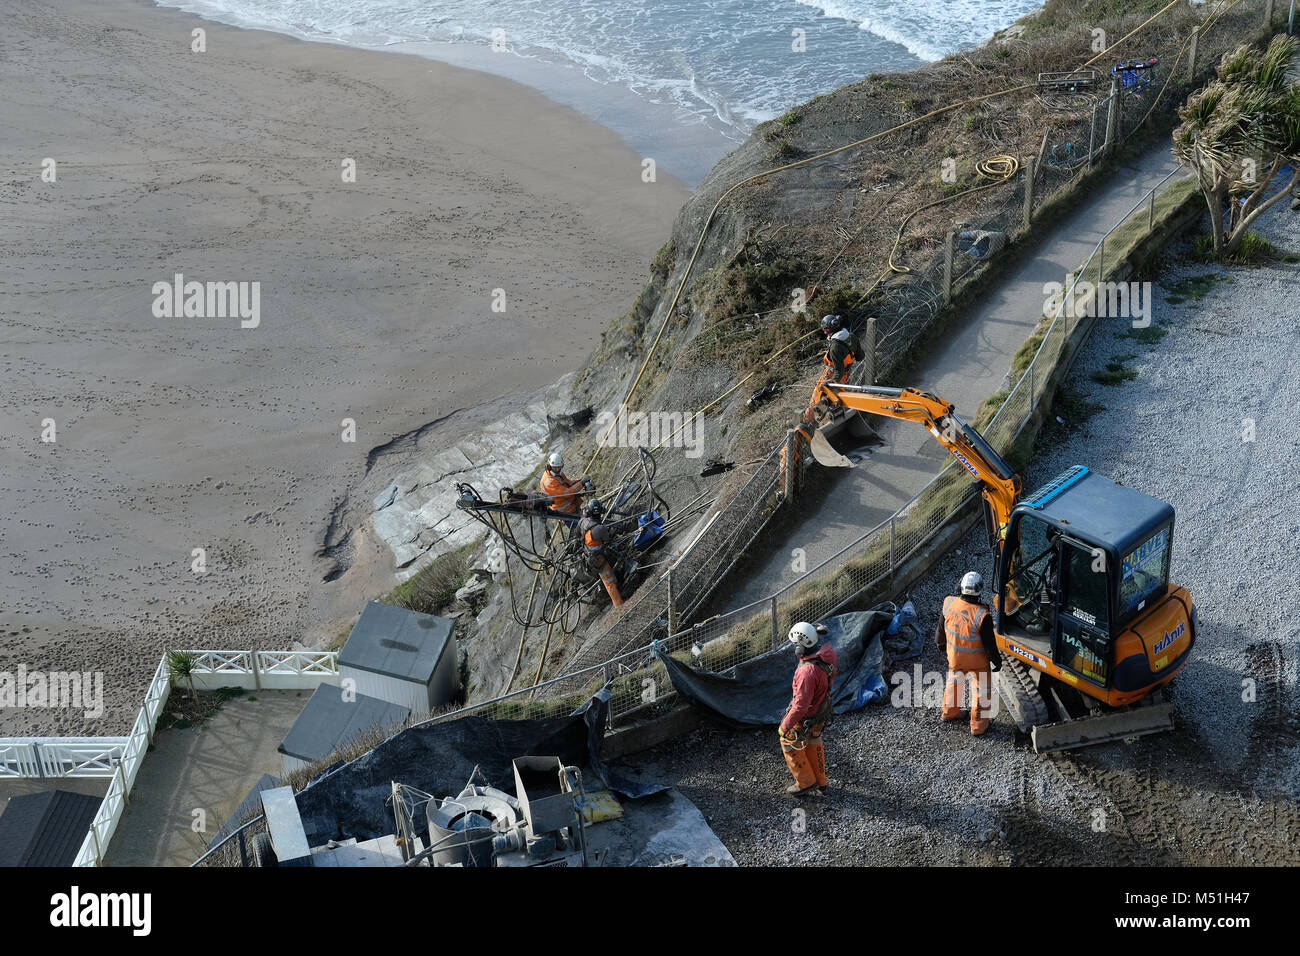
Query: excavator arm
[1000,486]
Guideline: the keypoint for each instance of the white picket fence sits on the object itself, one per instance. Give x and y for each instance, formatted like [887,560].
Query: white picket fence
[120,758]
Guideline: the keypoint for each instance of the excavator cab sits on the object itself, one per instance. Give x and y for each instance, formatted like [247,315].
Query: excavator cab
[1083,589]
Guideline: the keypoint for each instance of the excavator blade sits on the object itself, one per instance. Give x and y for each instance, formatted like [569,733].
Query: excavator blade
[1140,720]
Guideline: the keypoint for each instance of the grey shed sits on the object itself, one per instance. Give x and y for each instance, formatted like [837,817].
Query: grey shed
[403,657]
[329,721]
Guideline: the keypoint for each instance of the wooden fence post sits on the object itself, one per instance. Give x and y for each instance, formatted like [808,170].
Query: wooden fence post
[1031,168]
[869,347]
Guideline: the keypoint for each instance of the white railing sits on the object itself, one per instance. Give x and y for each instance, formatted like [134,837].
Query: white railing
[60,756]
[120,758]
[263,670]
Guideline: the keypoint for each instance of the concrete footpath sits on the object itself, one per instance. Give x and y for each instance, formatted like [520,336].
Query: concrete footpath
[209,767]
[965,368]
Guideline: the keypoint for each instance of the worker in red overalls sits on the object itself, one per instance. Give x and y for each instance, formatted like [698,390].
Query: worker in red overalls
[809,710]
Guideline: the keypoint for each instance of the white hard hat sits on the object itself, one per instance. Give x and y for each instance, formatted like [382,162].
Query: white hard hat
[803,635]
[555,462]
[972,583]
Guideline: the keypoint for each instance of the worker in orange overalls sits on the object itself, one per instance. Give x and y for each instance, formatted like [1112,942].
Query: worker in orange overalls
[966,631]
[560,489]
[809,710]
[596,534]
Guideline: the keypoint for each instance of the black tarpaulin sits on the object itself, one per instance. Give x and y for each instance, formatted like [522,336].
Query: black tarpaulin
[757,692]
[439,758]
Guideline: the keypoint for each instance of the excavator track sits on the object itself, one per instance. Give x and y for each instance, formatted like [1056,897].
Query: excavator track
[1020,694]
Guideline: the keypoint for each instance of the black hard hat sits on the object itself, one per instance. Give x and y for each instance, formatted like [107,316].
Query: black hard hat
[593,509]
[830,323]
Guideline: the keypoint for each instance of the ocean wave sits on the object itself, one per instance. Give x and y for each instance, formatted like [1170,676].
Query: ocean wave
[727,62]
[915,26]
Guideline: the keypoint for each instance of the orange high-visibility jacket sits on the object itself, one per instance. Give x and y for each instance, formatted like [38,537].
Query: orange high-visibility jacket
[843,349]
[962,621]
[560,489]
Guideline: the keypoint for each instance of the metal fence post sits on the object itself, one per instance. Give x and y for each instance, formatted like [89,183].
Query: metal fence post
[1101,261]
[949,245]
[121,776]
[1191,53]
[257,672]
[94,839]
[1112,116]
[1092,134]
[1061,350]
[1031,167]
[1031,386]
[672,605]
[1151,217]
[891,544]
[1290,19]
[776,633]
[608,671]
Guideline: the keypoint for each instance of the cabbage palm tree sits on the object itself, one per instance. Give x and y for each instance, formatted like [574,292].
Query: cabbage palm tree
[1238,132]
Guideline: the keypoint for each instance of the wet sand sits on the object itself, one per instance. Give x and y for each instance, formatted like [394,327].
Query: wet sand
[375,304]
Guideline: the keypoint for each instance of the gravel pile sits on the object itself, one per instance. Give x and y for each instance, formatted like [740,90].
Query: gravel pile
[1223,788]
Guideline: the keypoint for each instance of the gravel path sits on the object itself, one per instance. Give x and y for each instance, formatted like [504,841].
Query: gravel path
[1223,788]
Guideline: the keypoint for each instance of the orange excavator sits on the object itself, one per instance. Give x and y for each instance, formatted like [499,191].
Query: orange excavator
[1090,627]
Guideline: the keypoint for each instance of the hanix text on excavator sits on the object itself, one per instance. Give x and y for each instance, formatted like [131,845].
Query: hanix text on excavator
[1089,624]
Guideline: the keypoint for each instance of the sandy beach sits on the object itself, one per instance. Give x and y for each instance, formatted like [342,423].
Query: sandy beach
[130,160]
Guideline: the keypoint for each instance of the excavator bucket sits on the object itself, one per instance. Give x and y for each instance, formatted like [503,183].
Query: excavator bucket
[844,440]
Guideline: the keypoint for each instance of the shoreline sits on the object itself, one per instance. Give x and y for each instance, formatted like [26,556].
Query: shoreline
[184,435]
[688,153]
